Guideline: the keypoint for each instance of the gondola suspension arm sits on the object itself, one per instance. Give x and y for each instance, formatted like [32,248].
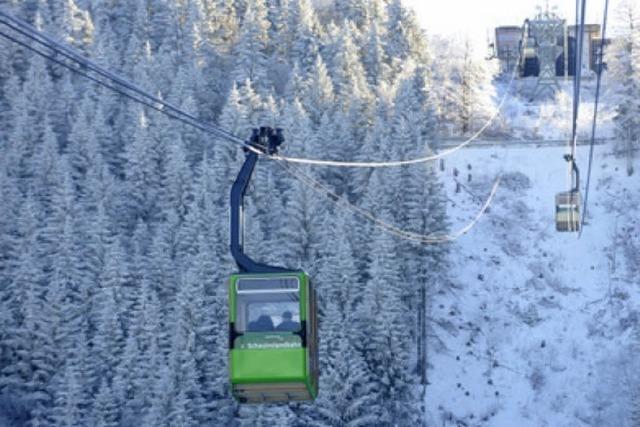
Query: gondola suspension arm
[265,141]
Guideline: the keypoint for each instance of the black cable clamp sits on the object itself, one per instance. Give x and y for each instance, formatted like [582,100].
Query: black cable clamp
[266,140]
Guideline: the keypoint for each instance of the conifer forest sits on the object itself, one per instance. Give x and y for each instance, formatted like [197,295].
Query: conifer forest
[114,218]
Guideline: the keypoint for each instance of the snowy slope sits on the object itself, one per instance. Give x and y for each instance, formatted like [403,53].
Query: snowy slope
[547,118]
[536,333]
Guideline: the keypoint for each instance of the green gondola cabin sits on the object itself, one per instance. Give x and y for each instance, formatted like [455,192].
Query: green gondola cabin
[273,341]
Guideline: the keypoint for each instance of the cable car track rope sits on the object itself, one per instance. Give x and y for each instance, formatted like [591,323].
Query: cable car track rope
[577,83]
[133,92]
[395,163]
[577,79]
[151,101]
[595,114]
[162,106]
[343,203]
[197,124]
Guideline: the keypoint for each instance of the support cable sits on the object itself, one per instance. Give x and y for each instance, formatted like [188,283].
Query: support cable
[117,84]
[595,114]
[395,163]
[160,105]
[577,75]
[39,37]
[344,204]
[196,124]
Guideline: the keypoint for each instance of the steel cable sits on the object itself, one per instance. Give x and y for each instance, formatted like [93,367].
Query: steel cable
[595,114]
[34,34]
[163,107]
[343,203]
[396,163]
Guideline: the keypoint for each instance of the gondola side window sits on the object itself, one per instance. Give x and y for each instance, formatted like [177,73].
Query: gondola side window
[266,305]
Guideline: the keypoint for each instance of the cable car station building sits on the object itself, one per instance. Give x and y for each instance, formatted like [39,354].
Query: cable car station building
[510,39]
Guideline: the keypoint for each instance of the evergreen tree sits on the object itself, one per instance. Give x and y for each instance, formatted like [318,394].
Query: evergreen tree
[224,23]
[163,17]
[374,61]
[347,72]
[140,172]
[225,157]
[473,105]
[60,113]
[318,94]
[73,394]
[463,88]
[347,397]
[138,48]
[159,412]
[295,85]
[108,341]
[253,105]
[354,11]
[29,330]
[70,23]
[279,29]
[635,400]
[397,45]
[68,393]
[303,25]
[623,76]
[251,49]
[338,140]
[30,119]
[105,409]
[381,319]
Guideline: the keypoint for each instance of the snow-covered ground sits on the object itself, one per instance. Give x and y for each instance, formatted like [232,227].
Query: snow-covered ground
[537,331]
[546,118]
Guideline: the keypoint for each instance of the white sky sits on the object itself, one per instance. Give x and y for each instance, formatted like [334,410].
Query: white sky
[478,18]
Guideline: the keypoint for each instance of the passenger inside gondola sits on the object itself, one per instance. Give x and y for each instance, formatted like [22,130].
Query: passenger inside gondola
[287,323]
[262,324]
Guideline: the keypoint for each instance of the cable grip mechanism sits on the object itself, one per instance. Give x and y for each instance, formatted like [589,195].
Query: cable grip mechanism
[575,171]
[266,140]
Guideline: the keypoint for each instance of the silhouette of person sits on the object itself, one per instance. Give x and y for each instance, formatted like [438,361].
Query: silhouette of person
[262,324]
[287,324]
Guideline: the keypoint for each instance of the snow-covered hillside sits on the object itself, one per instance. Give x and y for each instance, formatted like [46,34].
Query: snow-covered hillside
[536,331]
[547,118]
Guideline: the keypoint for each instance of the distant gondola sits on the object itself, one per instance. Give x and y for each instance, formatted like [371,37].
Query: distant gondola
[568,211]
[568,203]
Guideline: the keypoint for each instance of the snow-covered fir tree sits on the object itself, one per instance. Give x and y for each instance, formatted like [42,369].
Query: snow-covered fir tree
[623,77]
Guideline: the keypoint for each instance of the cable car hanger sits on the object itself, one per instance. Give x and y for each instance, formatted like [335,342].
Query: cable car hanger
[263,141]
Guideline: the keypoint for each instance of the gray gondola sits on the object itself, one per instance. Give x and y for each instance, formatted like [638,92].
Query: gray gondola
[568,211]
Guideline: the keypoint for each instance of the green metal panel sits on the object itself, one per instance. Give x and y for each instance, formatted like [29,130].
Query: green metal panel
[268,365]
